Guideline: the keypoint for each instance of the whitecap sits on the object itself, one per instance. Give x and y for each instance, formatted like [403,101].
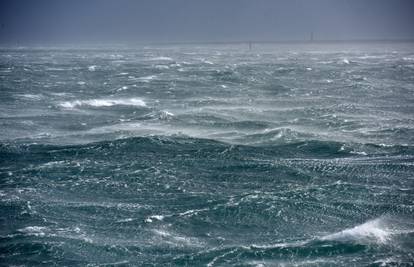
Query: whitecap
[55,69]
[386,145]
[165,115]
[122,88]
[155,217]
[125,220]
[345,61]
[92,68]
[103,103]
[176,239]
[147,78]
[161,67]
[161,58]
[31,96]
[191,212]
[161,232]
[34,230]
[60,94]
[380,230]
[362,153]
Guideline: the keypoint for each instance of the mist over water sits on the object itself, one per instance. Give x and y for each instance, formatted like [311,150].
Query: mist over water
[208,155]
[51,22]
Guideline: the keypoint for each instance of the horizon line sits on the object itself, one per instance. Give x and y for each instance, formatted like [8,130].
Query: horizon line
[224,42]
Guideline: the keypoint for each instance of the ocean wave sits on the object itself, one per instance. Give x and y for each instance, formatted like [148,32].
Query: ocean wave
[103,103]
[381,230]
[147,78]
[164,236]
[209,156]
[163,138]
[276,136]
[162,58]
[92,68]
[67,233]
[31,96]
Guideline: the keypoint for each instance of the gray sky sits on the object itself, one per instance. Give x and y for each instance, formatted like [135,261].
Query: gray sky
[119,21]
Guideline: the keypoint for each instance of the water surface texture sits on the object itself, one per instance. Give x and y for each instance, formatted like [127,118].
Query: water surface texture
[285,155]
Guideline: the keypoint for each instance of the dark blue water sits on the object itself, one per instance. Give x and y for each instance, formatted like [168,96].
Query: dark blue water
[298,155]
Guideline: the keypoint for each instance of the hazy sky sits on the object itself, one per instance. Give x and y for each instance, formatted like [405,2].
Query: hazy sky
[117,21]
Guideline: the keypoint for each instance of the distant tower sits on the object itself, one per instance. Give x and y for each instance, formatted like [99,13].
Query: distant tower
[250,45]
[311,37]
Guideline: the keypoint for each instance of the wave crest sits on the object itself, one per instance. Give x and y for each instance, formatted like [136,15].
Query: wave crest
[380,230]
[103,103]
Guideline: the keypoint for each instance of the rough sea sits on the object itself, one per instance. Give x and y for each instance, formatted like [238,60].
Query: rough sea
[207,155]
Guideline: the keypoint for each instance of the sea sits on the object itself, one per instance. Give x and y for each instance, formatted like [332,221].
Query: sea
[296,154]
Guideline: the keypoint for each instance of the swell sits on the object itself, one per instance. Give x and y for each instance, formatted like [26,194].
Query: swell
[179,195]
[378,238]
[379,234]
[312,149]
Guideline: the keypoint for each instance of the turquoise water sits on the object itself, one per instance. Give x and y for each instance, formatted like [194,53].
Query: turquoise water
[296,155]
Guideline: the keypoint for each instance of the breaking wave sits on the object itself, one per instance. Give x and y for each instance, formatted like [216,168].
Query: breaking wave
[104,103]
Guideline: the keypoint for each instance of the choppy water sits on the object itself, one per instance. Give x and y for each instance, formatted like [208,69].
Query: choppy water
[214,155]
